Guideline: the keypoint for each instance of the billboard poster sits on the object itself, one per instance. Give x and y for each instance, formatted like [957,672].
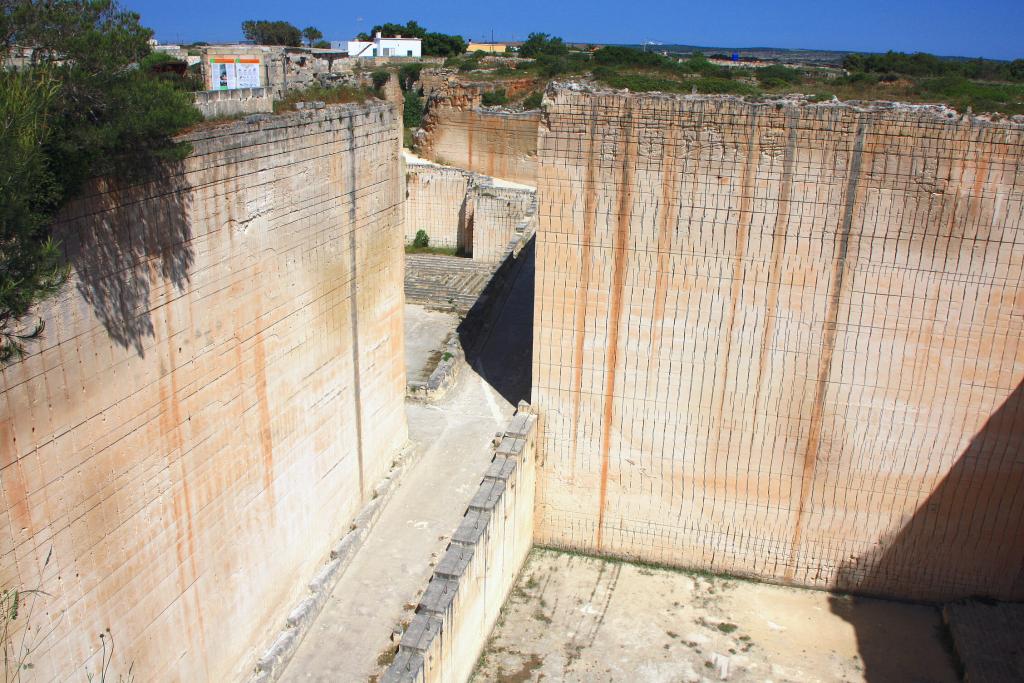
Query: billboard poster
[247,73]
[230,73]
[222,74]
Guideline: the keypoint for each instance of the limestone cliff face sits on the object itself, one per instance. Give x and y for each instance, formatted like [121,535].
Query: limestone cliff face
[218,390]
[456,131]
[783,340]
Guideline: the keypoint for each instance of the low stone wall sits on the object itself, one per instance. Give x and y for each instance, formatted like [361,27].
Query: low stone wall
[220,103]
[442,378]
[470,583]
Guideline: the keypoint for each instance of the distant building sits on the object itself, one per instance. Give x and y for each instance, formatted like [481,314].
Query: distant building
[396,46]
[487,47]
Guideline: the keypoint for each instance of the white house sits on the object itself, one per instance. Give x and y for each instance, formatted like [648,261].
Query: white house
[385,47]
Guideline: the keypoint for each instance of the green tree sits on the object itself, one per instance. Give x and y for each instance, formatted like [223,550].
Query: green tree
[82,108]
[30,265]
[410,29]
[443,45]
[542,44]
[264,32]
[408,74]
[311,34]
[433,45]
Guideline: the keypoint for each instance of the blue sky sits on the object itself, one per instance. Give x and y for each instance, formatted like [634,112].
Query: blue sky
[988,28]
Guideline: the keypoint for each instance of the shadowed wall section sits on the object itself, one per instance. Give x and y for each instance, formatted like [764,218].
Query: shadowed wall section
[218,390]
[782,340]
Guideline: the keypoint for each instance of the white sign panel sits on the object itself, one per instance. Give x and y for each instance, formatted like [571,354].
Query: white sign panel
[231,73]
[247,74]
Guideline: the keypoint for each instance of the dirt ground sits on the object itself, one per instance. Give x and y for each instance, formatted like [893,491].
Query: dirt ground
[576,618]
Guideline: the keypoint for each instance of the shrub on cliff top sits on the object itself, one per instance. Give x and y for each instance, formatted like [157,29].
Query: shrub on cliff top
[408,74]
[533,100]
[412,115]
[380,78]
[81,108]
[494,98]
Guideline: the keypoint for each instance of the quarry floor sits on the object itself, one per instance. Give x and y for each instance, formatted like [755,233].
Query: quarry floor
[351,639]
[578,618]
[426,332]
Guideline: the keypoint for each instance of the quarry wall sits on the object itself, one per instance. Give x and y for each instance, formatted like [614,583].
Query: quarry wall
[495,143]
[473,578]
[783,340]
[224,103]
[435,201]
[500,215]
[218,390]
[466,211]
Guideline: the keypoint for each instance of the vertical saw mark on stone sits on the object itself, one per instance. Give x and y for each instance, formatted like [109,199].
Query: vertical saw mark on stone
[827,345]
[580,326]
[615,314]
[779,235]
[670,181]
[354,304]
[743,221]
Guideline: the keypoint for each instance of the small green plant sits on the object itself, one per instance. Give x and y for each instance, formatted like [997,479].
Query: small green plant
[412,115]
[105,674]
[494,98]
[339,95]
[533,100]
[380,78]
[422,240]
[385,658]
[726,627]
[408,74]
[16,655]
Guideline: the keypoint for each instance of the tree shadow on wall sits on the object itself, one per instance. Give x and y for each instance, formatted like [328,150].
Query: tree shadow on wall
[129,250]
[497,333]
[966,540]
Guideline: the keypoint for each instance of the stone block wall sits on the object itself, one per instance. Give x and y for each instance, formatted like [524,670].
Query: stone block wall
[223,103]
[283,70]
[500,215]
[473,578]
[466,211]
[218,390]
[435,201]
[783,340]
[497,144]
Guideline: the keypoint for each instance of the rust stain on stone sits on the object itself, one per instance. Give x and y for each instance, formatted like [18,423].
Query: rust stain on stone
[750,164]
[170,429]
[670,181]
[778,248]
[828,342]
[469,146]
[615,313]
[263,411]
